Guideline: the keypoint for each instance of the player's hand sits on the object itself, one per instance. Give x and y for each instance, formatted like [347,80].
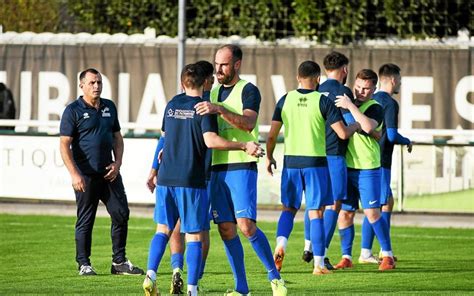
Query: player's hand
[78,183]
[113,171]
[343,101]
[409,147]
[271,162]
[151,181]
[203,108]
[254,149]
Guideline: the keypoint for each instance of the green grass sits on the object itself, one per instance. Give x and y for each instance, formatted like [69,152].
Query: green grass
[38,258]
[459,201]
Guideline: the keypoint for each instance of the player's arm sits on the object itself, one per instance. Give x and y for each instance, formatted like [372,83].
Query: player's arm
[367,124]
[391,121]
[114,167]
[151,180]
[214,141]
[271,143]
[78,182]
[245,122]
[345,132]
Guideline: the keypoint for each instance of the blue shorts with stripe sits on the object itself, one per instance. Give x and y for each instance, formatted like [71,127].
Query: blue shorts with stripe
[385,176]
[313,181]
[363,185]
[191,205]
[338,173]
[233,195]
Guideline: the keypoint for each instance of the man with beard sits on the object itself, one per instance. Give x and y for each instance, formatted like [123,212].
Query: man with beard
[233,184]
[390,82]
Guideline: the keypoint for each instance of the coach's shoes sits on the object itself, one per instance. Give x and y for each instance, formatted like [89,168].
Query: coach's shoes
[344,263]
[177,284]
[235,293]
[387,263]
[307,256]
[86,269]
[278,256]
[126,268]
[328,264]
[369,260]
[279,288]
[149,286]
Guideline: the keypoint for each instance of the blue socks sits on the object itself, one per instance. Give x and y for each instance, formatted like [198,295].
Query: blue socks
[235,255]
[368,234]
[347,239]
[193,260]
[177,261]
[317,237]
[330,221]
[261,246]
[307,226]
[387,217]
[201,270]
[285,224]
[157,249]
[383,235]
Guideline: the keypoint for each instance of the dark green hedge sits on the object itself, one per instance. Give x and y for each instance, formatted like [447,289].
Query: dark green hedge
[332,21]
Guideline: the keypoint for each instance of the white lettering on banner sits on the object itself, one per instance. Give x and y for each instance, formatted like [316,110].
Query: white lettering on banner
[464,108]
[25,100]
[279,88]
[153,96]
[52,106]
[3,77]
[410,112]
[124,98]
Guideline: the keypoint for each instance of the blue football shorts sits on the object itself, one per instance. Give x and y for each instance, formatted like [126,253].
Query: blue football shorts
[386,193]
[363,185]
[233,195]
[191,205]
[313,181]
[338,174]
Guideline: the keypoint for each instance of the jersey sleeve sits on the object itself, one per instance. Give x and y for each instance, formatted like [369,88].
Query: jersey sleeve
[375,112]
[67,126]
[348,92]
[209,123]
[278,109]
[251,98]
[329,111]
[116,126]
[391,115]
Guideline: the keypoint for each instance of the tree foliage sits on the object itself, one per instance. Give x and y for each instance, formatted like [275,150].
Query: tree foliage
[329,21]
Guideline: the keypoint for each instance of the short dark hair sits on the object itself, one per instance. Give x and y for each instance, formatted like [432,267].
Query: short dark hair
[335,60]
[88,70]
[236,51]
[367,74]
[309,69]
[192,76]
[207,68]
[389,70]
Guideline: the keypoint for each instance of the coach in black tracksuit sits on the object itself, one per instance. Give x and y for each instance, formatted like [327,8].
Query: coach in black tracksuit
[90,132]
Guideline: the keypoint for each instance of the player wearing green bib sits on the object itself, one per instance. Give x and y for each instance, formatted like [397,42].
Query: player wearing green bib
[363,163]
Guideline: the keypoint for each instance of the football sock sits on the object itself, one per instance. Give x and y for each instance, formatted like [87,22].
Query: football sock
[383,235]
[235,255]
[347,239]
[193,261]
[330,221]
[201,269]
[307,227]
[387,216]
[157,249]
[261,246]
[285,224]
[308,246]
[317,237]
[192,290]
[177,261]
[368,234]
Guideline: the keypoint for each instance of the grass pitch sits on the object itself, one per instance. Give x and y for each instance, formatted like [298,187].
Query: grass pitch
[38,258]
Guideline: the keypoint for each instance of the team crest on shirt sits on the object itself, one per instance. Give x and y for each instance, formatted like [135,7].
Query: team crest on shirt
[86,115]
[106,112]
[215,214]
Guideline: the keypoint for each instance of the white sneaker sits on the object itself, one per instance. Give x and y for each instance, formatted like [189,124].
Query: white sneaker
[86,269]
[369,260]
